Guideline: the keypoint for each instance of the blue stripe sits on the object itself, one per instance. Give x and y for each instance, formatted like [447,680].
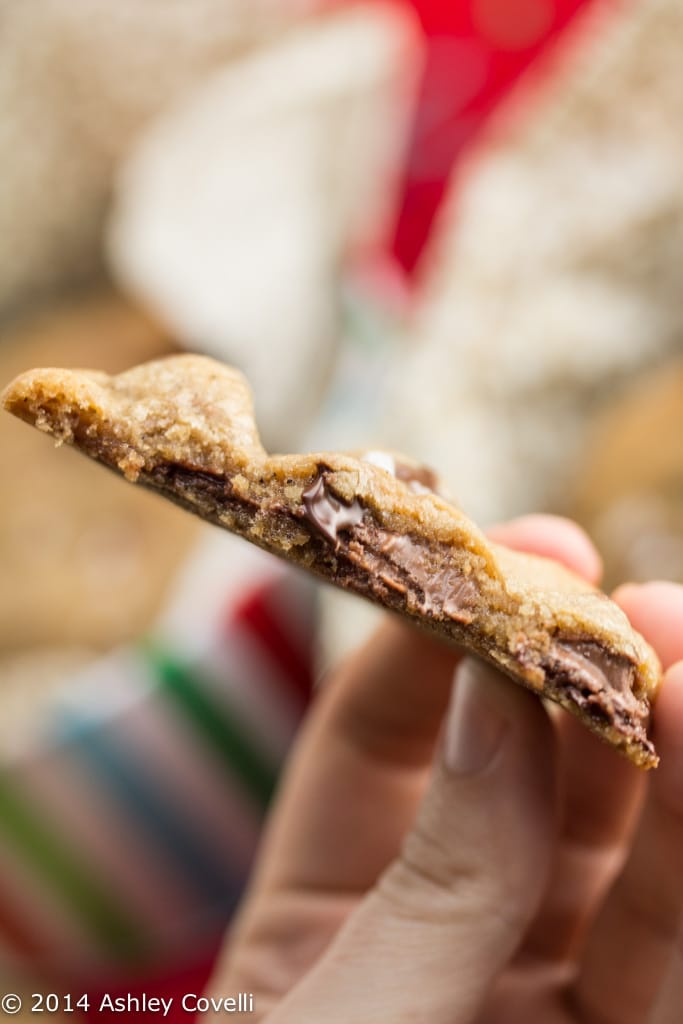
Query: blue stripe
[156,816]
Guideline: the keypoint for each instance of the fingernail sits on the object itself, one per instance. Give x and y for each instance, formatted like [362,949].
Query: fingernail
[475,725]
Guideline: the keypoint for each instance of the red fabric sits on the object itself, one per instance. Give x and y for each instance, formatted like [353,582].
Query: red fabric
[258,615]
[192,978]
[476,49]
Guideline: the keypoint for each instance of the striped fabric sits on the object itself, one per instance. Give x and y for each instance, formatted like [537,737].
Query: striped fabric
[127,834]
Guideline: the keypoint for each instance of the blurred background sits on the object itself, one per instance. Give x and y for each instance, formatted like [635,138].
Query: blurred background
[452,228]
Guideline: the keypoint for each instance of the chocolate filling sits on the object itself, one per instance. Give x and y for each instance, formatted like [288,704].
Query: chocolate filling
[601,683]
[327,513]
[594,679]
[390,562]
[403,572]
[407,566]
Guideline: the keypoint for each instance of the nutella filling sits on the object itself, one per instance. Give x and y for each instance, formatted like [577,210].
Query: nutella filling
[600,682]
[595,679]
[390,562]
[327,513]
[446,590]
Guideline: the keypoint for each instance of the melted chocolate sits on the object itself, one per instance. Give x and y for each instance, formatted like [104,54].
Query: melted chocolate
[396,562]
[328,513]
[446,590]
[600,682]
[404,572]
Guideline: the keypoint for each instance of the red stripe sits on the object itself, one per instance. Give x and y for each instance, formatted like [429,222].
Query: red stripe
[14,930]
[256,616]
[171,982]
[442,128]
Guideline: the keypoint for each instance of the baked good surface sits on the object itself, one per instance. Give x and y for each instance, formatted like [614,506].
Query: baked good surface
[371,522]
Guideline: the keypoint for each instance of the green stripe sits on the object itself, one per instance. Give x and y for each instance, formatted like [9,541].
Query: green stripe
[217,724]
[79,890]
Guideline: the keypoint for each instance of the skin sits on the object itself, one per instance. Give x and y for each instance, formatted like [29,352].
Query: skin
[453,852]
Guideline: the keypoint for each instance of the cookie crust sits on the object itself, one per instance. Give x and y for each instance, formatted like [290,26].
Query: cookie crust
[372,523]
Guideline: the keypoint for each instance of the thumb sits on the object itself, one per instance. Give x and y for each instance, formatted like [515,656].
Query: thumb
[444,919]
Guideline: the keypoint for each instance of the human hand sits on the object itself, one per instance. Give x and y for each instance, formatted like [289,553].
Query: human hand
[515,870]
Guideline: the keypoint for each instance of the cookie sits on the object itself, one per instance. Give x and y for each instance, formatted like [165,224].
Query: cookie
[372,523]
